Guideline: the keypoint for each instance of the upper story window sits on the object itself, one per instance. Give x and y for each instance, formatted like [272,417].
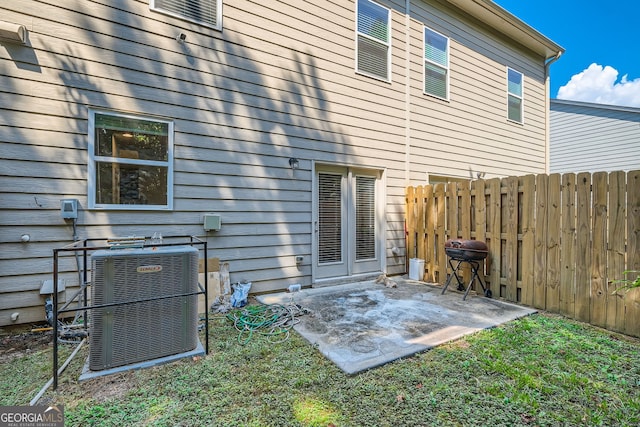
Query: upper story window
[436,64]
[205,12]
[373,53]
[515,101]
[130,162]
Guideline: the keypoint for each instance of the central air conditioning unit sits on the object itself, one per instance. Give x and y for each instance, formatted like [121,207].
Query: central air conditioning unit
[147,320]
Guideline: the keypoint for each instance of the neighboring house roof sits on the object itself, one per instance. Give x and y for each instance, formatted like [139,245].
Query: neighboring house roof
[588,137]
[508,24]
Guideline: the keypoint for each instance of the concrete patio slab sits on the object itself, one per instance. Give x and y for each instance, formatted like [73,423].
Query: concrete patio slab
[362,325]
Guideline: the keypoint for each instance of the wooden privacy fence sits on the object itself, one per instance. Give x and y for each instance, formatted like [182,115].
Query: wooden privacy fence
[556,242]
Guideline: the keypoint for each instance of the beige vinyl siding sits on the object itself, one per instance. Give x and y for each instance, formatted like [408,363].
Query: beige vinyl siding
[589,137]
[470,132]
[278,81]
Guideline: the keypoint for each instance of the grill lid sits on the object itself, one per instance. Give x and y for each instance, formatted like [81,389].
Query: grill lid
[466,250]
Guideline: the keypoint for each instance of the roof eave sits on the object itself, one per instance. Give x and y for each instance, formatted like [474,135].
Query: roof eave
[499,18]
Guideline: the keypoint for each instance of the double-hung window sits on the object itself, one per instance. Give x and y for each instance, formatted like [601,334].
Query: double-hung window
[515,101]
[204,12]
[130,162]
[436,64]
[373,39]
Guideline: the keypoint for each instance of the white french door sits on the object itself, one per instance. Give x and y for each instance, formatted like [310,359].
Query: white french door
[348,222]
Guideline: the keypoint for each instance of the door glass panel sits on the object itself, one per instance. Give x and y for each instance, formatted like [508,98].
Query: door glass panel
[329,218]
[365,218]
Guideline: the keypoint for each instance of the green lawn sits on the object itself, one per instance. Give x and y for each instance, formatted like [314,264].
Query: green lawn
[540,370]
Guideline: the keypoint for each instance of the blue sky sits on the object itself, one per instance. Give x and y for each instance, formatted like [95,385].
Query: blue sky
[601,62]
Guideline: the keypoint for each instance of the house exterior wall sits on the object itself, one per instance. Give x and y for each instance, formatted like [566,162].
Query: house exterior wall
[277,82]
[588,137]
[470,133]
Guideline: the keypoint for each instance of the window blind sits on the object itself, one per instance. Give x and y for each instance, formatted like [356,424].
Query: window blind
[202,11]
[329,218]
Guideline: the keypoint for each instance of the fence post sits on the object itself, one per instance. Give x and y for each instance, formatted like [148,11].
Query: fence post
[420,223]
[410,216]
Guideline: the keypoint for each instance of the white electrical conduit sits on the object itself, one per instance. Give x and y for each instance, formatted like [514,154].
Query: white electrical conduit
[62,368]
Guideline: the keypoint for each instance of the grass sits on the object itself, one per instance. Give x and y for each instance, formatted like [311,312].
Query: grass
[541,370]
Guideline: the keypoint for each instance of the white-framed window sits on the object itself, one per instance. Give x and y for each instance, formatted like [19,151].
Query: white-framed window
[204,12]
[436,64]
[373,40]
[515,97]
[130,162]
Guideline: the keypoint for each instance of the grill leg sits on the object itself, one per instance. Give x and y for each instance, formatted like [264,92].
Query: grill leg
[453,274]
[475,266]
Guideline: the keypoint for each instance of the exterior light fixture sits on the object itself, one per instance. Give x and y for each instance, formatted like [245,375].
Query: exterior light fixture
[294,163]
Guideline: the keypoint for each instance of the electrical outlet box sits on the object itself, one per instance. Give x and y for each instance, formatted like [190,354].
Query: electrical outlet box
[69,208]
[299,259]
[212,222]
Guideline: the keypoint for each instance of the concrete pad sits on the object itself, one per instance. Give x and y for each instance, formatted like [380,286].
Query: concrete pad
[362,325]
[88,374]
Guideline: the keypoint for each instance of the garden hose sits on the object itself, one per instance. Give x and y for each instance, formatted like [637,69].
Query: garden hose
[274,321]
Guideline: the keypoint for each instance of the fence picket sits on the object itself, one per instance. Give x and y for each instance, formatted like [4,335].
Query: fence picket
[615,249]
[430,254]
[567,246]
[440,196]
[632,298]
[527,200]
[511,239]
[540,255]
[598,309]
[553,244]
[495,243]
[583,246]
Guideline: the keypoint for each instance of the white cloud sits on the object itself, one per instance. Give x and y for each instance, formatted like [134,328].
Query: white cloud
[599,84]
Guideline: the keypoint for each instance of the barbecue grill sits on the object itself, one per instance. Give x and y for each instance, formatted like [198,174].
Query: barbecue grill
[471,252]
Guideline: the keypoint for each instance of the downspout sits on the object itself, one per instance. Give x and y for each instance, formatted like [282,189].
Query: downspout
[407,91]
[407,119]
[547,102]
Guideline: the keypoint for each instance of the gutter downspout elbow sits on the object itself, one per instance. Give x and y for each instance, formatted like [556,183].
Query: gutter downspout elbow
[551,61]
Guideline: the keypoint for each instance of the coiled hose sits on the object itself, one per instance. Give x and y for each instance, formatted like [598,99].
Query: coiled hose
[273,320]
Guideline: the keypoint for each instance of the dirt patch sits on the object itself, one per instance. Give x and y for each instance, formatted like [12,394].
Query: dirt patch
[109,387]
[19,343]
